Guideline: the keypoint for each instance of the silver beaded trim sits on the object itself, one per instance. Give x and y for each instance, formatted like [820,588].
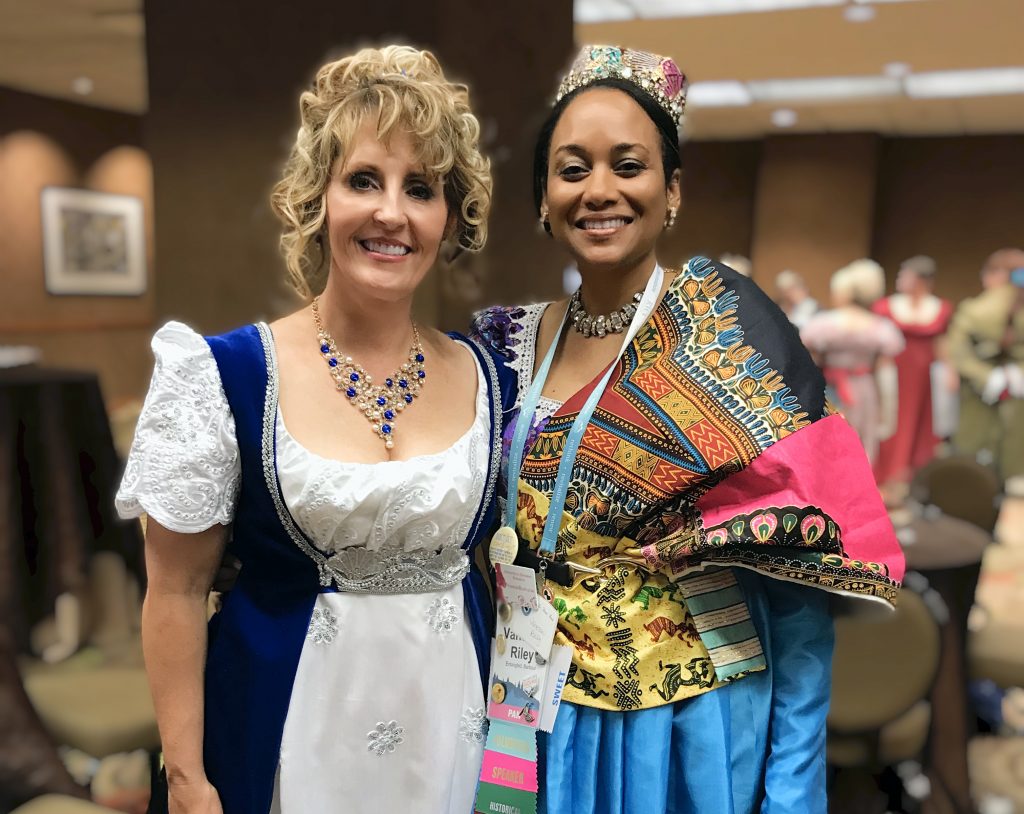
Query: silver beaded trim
[385,738]
[356,569]
[492,479]
[323,626]
[473,725]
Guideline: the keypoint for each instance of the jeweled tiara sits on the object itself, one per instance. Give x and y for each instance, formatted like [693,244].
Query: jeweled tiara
[658,77]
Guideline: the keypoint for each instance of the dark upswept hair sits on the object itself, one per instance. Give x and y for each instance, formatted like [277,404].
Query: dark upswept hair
[671,159]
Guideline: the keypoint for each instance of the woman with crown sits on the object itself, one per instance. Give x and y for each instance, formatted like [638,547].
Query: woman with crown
[678,480]
[346,457]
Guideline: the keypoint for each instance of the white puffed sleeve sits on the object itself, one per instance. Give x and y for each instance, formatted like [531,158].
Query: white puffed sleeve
[183,469]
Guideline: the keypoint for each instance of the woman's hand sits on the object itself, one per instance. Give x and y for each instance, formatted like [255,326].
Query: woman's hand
[193,797]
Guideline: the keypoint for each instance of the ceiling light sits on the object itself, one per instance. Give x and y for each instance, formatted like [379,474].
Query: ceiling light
[702,8]
[718,94]
[951,84]
[784,117]
[599,11]
[82,85]
[824,88]
[896,70]
[859,13]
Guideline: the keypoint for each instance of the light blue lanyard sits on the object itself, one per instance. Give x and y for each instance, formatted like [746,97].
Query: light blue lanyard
[526,414]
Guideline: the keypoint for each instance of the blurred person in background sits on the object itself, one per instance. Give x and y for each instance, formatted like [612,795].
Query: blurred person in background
[986,345]
[998,268]
[343,454]
[794,298]
[738,263]
[851,344]
[701,448]
[923,319]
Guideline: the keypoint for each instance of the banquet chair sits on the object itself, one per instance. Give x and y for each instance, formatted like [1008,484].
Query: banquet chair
[995,652]
[59,804]
[883,669]
[961,487]
[94,697]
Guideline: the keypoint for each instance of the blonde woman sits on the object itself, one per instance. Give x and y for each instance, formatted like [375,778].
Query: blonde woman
[344,455]
[852,345]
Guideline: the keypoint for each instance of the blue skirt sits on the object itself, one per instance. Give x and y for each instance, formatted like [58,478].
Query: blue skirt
[754,745]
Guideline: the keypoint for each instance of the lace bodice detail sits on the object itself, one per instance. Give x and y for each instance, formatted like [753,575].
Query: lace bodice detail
[426,502]
[184,468]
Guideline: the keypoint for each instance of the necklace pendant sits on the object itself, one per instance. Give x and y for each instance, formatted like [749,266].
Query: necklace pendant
[378,403]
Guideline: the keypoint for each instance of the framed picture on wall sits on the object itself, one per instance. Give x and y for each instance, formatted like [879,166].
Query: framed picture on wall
[93,242]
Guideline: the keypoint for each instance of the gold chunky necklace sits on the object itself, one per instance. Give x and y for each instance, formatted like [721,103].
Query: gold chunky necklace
[380,403]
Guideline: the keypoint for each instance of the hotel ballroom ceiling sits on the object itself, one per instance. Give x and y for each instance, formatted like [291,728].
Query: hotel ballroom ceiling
[93,52]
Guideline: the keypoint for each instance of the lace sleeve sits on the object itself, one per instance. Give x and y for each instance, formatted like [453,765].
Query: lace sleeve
[183,469]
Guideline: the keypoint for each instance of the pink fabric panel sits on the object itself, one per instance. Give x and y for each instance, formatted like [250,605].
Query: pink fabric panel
[822,465]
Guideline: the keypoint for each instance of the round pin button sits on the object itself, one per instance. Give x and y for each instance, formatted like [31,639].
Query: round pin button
[504,546]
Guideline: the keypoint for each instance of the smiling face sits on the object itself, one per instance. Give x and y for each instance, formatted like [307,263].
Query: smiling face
[606,195]
[385,219]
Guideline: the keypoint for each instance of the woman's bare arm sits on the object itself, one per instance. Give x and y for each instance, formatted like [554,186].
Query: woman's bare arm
[180,569]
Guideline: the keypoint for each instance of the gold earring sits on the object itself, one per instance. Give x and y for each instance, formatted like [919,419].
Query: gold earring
[670,219]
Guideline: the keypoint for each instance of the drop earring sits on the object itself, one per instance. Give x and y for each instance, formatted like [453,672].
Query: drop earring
[670,219]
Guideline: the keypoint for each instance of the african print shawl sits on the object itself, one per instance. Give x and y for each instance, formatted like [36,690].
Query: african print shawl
[712,447]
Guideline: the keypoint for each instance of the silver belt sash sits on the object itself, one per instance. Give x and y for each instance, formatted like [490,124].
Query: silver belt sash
[357,569]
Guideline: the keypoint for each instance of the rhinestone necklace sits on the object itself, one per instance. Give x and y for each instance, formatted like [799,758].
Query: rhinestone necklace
[615,323]
[380,403]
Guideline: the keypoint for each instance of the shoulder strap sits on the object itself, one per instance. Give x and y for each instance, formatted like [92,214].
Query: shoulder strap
[242,364]
[482,521]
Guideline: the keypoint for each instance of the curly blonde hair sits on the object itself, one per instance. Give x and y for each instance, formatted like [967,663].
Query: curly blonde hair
[406,90]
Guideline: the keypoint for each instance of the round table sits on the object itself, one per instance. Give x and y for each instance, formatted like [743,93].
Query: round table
[58,475]
[947,552]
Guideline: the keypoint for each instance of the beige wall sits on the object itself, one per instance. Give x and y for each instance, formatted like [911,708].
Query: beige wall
[717,214]
[957,199]
[814,206]
[811,203]
[60,144]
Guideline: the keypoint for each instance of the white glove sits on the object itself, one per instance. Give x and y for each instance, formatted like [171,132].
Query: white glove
[996,385]
[887,381]
[1015,381]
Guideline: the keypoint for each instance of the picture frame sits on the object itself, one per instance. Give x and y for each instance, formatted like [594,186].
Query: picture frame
[93,243]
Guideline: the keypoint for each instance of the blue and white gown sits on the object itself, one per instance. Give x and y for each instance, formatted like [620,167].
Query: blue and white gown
[384,708]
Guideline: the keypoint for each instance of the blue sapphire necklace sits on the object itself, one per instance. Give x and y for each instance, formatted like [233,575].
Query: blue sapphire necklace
[380,403]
